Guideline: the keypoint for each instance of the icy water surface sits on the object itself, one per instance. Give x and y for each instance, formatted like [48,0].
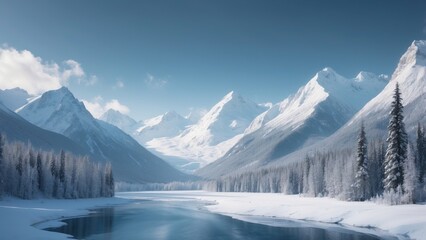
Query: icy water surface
[185,220]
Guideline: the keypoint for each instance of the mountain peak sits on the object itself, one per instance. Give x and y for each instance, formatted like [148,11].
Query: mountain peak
[62,94]
[232,95]
[415,55]
[14,98]
[325,74]
[56,110]
[113,114]
[171,115]
[118,119]
[63,90]
[362,76]
[328,70]
[328,79]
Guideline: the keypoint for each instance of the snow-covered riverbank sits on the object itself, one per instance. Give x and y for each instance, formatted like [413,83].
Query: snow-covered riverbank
[403,220]
[17,216]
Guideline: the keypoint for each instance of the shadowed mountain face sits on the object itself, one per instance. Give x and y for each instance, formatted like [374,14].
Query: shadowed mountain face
[60,112]
[18,129]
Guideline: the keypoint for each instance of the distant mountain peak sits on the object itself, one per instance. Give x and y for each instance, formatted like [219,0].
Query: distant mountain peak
[365,75]
[118,119]
[232,96]
[14,98]
[327,78]
[171,115]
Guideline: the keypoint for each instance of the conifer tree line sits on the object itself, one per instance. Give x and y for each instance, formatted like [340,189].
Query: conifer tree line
[393,170]
[28,173]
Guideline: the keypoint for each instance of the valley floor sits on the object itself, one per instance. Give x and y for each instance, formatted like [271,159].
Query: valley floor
[17,217]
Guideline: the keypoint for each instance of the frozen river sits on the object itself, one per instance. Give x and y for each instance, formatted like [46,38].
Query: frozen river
[190,220]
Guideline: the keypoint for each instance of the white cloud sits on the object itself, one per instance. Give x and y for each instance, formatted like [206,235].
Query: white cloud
[119,84]
[73,69]
[116,105]
[98,106]
[154,82]
[23,69]
[92,80]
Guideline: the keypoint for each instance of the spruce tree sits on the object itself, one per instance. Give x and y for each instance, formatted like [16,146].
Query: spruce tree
[32,159]
[361,176]
[62,167]
[53,170]
[410,176]
[40,173]
[421,152]
[396,151]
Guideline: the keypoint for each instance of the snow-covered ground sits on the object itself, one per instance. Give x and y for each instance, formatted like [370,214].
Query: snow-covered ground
[402,220]
[22,219]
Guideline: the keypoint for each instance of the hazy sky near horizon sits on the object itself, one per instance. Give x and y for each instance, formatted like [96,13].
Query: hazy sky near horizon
[148,57]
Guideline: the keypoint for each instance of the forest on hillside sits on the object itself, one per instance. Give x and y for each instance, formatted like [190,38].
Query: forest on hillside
[29,173]
[392,171]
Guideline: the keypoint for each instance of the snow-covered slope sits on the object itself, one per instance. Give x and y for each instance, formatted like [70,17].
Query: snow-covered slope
[60,112]
[120,120]
[18,129]
[14,98]
[217,131]
[169,124]
[410,74]
[317,110]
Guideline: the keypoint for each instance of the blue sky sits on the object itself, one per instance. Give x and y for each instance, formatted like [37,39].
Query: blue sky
[155,56]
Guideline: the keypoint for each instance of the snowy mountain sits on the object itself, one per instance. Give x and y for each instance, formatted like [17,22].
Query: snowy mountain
[59,111]
[14,98]
[120,120]
[410,74]
[169,124]
[316,111]
[217,131]
[18,129]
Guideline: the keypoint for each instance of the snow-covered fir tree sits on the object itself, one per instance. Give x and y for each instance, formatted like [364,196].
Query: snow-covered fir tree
[28,173]
[376,156]
[410,176]
[396,152]
[421,152]
[360,186]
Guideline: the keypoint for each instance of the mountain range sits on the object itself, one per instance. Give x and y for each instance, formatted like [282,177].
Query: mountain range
[235,134]
[410,74]
[60,112]
[316,111]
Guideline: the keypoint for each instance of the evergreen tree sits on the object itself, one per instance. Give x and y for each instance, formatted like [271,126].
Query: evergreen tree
[421,152]
[40,173]
[361,176]
[32,159]
[410,176]
[53,170]
[62,167]
[396,152]
[19,167]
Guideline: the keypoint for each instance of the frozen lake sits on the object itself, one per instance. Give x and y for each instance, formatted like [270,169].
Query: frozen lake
[189,220]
